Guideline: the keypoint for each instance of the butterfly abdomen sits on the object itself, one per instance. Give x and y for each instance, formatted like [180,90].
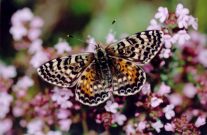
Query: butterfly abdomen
[102,63]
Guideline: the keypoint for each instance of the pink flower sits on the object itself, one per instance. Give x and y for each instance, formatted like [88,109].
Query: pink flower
[119,118]
[35,126]
[169,113]
[129,129]
[110,38]
[162,14]
[7,71]
[175,99]
[5,126]
[5,101]
[65,124]
[18,32]
[111,107]
[193,22]
[202,57]
[154,25]
[165,53]
[91,44]
[181,37]
[62,47]
[63,114]
[181,11]
[141,126]
[200,121]
[164,89]
[35,46]
[146,89]
[62,96]
[54,133]
[168,41]
[156,101]
[36,22]
[169,127]
[157,125]
[34,33]
[24,83]
[21,16]
[189,90]
[39,58]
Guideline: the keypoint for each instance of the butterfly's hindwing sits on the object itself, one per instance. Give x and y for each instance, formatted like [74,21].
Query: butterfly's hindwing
[65,71]
[128,78]
[91,88]
[140,47]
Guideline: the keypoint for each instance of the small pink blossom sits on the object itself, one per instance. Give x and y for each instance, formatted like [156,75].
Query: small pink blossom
[35,46]
[157,125]
[181,37]
[65,124]
[165,53]
[175,99]
[7,71]
[35,126]
[111,106]
[169,113]
[169,127]
[181,11]
[5,126]
[62,47]
[154,25]
[200,121]
[62,96]
[36,22]
[146,89]
[18,32]
[63,114]
[193,22]
[5,101]
[24,83]
[91,44]
[34,33]
[119,118]
[54,133]
[141,126]
[189,90]
[202,57]
[38,59]
[156,101]
[168,41]
[164,89]
[162,14]
[110,38]
[129,129]
[17,111]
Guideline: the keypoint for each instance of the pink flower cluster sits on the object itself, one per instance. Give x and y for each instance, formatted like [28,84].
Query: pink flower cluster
[180,20]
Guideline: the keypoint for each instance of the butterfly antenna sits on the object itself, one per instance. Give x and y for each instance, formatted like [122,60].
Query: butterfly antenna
[78,39]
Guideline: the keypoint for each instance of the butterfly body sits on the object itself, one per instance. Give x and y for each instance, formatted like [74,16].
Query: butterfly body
[110,70]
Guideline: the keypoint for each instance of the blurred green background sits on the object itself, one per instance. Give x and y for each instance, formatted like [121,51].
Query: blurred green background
[91,17]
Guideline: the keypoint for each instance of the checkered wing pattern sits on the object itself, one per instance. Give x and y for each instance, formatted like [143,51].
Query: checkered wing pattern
[140,47]
[65,71]
[128,78]
[91,88]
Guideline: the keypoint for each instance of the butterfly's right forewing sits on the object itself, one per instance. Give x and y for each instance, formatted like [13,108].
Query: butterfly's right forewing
[65,71]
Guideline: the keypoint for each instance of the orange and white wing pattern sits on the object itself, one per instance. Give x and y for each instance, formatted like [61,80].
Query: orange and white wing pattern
[91,88]
[140,47]
[65,71]
[128,78]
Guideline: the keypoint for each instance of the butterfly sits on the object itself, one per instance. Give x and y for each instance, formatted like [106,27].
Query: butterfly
[114,69]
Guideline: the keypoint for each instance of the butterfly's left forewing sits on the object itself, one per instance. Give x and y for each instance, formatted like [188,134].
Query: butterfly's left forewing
[140,47]
[65,71]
